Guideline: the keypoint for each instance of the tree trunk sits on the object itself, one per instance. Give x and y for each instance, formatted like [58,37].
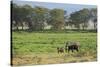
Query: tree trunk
[84,25]
[95,26]
[30,25]
[22,27]
[17,27]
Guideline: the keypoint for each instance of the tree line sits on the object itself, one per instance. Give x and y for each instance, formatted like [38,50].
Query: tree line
[36,18]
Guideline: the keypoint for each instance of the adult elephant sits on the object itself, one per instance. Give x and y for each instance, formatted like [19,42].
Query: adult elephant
[71,46]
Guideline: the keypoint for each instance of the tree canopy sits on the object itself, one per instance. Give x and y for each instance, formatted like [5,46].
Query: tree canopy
[36,18]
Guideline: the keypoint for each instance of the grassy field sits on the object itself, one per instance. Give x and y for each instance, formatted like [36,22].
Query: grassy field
[32,48]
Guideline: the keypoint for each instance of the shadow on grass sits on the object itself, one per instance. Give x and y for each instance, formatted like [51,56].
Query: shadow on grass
[56,31]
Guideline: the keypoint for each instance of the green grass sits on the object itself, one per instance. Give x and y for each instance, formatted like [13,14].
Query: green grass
[47,42]
[25,43]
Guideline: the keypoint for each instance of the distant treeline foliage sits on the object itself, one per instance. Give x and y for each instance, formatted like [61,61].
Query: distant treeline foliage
[37,18]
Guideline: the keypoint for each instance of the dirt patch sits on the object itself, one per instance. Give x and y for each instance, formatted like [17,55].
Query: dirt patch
[49,59]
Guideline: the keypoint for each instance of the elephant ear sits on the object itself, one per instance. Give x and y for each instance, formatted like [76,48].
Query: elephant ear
[78,43]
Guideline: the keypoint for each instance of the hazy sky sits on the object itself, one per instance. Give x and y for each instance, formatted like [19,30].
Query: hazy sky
[68,7]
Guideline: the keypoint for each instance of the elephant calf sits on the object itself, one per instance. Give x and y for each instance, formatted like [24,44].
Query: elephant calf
[60,49]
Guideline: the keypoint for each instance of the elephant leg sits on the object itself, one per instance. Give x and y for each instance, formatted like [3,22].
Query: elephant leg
[77,50]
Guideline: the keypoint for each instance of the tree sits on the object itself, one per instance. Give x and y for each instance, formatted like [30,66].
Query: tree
[20,15]
[39,17]
[84,17]
[14,15]
[80,18]
[75,19]
[57,19]
[93,16]
[26,15]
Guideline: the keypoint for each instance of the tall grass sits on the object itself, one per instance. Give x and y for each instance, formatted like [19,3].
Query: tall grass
[47,42]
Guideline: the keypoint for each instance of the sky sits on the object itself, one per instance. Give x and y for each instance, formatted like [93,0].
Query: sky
[68,7]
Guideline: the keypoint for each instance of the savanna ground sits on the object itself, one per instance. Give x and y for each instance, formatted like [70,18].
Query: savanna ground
[32,48]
